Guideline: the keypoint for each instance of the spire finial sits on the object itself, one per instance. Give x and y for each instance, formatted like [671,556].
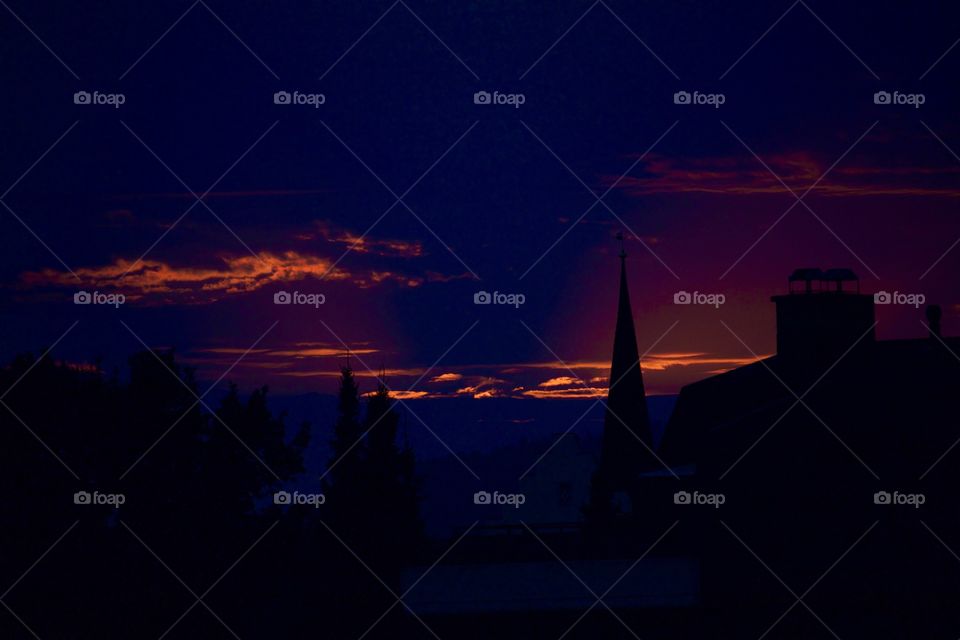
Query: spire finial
[623,252]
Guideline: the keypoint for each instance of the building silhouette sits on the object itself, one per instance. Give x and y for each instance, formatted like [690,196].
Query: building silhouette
[627,438]
[807,446]
[886,399]
[803,446]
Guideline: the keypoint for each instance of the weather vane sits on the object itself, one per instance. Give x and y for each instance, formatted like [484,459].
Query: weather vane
[623,252]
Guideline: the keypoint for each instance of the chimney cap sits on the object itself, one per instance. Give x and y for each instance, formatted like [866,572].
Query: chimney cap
[840,275]
[809,274]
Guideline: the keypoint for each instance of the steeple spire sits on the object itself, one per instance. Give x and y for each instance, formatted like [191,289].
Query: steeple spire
[626,422]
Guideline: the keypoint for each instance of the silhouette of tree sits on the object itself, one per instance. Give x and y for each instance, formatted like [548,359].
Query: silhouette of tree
[344,484]
[372,504]
[191,491]
[393,485]
[251,444]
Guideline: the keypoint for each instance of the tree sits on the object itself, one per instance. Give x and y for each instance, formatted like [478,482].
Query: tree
[393,484]
[371,487]
[344,485]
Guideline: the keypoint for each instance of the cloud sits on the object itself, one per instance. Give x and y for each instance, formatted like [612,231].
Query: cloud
[321,352]
[313,365]
[334,372]
[447,377]
[401,395]
[651,362]
[154,280]
[743,175]
[365,244]
[664,361]
[556,364]
[562,381]
[485,387]
[407,395]
[575,393]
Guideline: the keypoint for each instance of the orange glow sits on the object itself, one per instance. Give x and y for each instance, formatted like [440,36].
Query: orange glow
[447,377]
[367,244]
[358,373]
[743,175]
[406,395]
[199,285]
[562,381]
[652,362]
[549,379]
[321,352]
[578,392]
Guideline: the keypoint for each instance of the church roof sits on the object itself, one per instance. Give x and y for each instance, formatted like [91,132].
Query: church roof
[627,435]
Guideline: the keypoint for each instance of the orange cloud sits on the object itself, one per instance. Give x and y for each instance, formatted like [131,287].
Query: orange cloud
[321,352]
[366,244]
[745,175]
[407,395]
[562,381]
[652,362]
[486,387]
[556,364]
[447,377]
[153,279]
[359,373]
[400,395]
[577,392]
[316,364]
[663,361]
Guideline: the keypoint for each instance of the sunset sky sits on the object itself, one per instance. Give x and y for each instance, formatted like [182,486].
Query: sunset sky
[399,198]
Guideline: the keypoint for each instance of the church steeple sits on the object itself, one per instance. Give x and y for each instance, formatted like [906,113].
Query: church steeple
[623,455]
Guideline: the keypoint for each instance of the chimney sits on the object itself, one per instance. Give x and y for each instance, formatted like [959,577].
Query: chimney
[823,315]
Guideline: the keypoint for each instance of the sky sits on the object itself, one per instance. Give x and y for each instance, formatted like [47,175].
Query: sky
[393,196]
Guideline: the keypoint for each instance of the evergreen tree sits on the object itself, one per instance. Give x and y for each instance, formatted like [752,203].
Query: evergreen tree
[392,472]
[372,492]
[344,484]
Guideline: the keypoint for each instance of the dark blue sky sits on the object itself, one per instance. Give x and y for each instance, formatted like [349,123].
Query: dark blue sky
[293,187]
